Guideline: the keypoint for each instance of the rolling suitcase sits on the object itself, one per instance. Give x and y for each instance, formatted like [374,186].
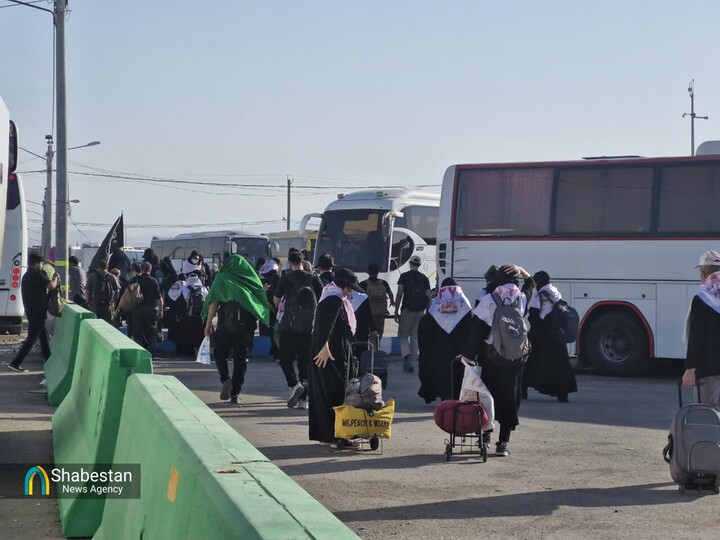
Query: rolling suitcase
[693,449]
[379,366]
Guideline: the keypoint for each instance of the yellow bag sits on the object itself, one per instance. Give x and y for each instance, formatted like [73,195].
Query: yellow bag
[353,422]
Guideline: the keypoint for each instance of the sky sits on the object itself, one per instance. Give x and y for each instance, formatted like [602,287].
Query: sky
[339,96]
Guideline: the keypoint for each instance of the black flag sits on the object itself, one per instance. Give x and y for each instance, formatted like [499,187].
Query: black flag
[115,239]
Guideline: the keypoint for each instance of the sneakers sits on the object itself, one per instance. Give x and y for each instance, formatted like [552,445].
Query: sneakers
[501,449]
[43,383]
[486,437]
[226,389]
[16,369]
[345,444]
[296,393]
[407,364]
[235,399]
[303,404]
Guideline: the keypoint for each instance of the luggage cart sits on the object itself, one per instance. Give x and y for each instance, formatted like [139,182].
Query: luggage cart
[362,436]
[465,424]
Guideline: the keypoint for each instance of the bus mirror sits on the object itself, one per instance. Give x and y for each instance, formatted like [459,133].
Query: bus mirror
[12,161]
[232,247]
[387,221]
[274,249]
[304,222]
[393,264]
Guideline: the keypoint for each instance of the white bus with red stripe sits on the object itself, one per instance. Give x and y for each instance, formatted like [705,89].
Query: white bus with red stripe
[14,256]
[619,238]
[8,159]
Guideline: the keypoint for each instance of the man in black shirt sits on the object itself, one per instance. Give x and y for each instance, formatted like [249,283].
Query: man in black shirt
[147,313]
[294,343]
[34,289]
[414,294]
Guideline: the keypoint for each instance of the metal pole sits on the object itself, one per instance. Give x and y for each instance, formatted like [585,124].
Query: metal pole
[61,205]
[47,203]
[289,183]
[692,121]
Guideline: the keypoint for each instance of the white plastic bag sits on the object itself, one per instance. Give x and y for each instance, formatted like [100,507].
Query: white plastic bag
[203,356]
[473,389]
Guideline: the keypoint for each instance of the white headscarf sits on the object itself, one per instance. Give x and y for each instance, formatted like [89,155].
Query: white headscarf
[194,283]
[508,295]
[176,290]
[356,299]
[449,307]
[334,290]
[268,267]
[709,291]
[540,299]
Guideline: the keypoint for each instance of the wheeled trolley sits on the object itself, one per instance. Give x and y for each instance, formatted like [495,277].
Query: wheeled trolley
[463,421]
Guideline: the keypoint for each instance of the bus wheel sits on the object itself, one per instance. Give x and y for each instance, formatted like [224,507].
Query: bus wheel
[616,344]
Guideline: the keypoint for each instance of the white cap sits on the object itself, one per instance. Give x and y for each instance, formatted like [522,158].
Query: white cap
[709,258]
[415,259]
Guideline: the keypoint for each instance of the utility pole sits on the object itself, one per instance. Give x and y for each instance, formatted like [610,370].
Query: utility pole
[62,195]
[47,202]
[692,116]
[289,184]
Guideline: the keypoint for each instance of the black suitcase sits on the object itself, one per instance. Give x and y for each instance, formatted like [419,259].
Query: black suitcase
[380,365]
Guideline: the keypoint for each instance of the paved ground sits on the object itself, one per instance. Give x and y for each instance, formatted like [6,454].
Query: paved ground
[588,469]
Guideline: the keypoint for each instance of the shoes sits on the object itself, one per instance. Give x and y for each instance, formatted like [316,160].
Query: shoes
[347,444]
[563,399]
[226,389]
[501,449]
[235,399]
[303,404]
[16,369]
[43,383]
[486,437]
[407,364]
[296,393]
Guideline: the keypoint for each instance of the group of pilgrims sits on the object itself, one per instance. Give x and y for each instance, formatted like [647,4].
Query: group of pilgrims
[451,327]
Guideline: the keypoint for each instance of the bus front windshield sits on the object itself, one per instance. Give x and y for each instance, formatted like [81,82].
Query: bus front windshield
[252,248]
[354,238]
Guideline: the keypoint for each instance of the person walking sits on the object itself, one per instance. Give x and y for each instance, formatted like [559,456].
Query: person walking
[298,291]
[194,294]
[34,289]
[238,298]
[503,382]
[702,361]
[379,293]
[103,289]
[325,266]
[413,296]
[442,333]
[333,358]
[77,279]
[548,367]
[147,312]
[193,264]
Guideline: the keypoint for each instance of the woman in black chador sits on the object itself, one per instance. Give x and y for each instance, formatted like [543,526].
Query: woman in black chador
[333,356]
[442,334]
[548,367]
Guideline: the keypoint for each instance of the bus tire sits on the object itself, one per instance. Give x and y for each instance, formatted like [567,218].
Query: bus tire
[616,344]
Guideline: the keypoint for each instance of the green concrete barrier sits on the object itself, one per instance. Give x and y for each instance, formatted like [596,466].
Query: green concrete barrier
[200,478]
[85,425]
[61,364]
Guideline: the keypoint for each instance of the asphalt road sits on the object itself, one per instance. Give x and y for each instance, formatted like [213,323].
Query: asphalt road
[591,468]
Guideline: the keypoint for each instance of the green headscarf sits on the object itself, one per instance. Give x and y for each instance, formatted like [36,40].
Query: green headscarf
[237,281]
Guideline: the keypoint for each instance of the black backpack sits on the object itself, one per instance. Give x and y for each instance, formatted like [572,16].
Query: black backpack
[565,321]
[415,293]
[105,291]
[300,306]
[195,302]
[233,318]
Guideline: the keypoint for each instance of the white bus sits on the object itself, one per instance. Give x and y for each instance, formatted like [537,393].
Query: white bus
[8,160]
[216,246]
[385,227]
[293,239]
[14,257]
[619,238]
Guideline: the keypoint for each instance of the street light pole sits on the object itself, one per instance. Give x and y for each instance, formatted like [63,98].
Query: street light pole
[47,202]
[692,116]
[61,201]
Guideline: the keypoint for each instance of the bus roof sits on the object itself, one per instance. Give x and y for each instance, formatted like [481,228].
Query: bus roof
[590,162]
[209,234]
[386,199]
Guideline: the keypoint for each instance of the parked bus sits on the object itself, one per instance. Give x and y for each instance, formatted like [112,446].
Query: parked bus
[8,160]
[216,246]
[385,227]
[14,256]
[619,238]
[293,239]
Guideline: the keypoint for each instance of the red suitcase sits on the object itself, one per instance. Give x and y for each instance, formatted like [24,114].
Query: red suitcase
[460,417]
